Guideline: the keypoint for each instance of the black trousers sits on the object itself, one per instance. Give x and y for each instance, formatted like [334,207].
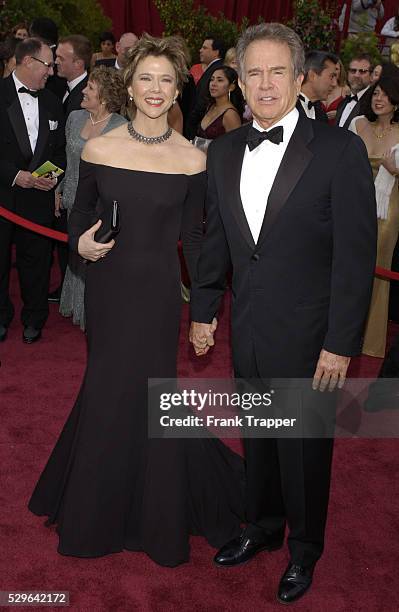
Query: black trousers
[288,482]
[33,256]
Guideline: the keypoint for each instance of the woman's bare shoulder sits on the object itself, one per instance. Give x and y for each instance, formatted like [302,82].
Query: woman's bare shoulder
[95,150]
[192,159]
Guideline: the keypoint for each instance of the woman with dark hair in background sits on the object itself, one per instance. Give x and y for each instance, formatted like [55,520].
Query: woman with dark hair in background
[226,104]
[379,129]
[105,57]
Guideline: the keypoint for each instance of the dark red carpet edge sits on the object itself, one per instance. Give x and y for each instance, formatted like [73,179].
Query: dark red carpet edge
[38,386]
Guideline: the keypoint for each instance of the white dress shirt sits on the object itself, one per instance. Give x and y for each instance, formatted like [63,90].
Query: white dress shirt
[30,109]
[310,112]
[72,84]
[259,169]
[350,106]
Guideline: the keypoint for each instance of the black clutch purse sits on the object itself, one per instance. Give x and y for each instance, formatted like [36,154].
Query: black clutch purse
[110,226]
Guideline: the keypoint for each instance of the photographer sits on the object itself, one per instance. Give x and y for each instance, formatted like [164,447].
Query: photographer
[391,29]
[364,15]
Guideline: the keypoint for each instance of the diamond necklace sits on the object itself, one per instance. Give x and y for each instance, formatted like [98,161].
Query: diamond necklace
[148,139]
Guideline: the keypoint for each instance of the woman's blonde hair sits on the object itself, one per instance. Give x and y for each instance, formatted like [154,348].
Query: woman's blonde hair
[171,47]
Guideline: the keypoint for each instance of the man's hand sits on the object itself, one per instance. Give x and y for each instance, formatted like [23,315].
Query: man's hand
[44,184]
[330,370]
[25,179]
[201,336]
[89,249]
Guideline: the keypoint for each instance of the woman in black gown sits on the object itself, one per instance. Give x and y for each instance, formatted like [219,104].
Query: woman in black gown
[107,486]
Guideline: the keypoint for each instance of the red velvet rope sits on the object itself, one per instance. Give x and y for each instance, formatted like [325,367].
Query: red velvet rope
[34,227]
[46,231]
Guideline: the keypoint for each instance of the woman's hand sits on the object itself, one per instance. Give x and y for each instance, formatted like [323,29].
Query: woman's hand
[89,249]
[57,204]
[389,163]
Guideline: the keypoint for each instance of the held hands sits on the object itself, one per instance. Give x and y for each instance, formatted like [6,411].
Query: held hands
[201,336]
[89,249]
[330,371]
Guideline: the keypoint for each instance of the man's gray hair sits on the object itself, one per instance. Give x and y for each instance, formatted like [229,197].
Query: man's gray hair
[275,32]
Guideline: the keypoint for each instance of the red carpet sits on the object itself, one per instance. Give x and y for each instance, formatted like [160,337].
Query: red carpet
[38,386]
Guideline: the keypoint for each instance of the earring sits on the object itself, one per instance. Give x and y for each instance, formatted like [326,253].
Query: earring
[174,100]
[229,94]
[130,98]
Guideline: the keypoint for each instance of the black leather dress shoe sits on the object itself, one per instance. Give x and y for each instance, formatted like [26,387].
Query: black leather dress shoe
[31,335]
[55,296]
[242,549]
[295,582]
[3,333]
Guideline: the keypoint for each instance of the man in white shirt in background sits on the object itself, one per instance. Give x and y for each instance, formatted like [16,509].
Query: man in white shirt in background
[31,133]
[359,81]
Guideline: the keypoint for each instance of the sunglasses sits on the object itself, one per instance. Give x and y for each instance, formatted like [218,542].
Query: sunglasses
[359,70]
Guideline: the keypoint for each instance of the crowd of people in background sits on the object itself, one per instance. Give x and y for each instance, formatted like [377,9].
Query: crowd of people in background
[361,96]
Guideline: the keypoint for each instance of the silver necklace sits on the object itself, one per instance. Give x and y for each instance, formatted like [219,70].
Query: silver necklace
[100,120]
[148,139]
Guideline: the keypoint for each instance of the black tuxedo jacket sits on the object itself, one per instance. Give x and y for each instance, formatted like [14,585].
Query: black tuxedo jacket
[320,114]
[74,100]
[307,282]
[201,100]
[16,153]
[360,108]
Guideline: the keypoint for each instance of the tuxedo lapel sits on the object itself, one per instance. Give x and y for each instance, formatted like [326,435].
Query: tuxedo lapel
[354,113]
[17,119]
[294,163]
[42,136]
[233,178]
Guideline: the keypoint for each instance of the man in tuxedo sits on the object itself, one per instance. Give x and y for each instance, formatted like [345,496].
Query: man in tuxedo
[301,239]
[31,133]
[211,54]
[359,81]
[320,78]
[126,42]
[73,55]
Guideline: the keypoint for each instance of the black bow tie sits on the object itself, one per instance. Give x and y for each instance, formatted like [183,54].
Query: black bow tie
[31,92]
[310,103]
[255,137]
[352,98]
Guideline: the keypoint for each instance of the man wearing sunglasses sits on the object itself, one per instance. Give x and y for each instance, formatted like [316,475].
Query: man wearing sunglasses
[359,81]
[31,133]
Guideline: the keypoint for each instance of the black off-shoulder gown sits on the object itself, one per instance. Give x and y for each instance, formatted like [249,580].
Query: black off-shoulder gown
[107,486]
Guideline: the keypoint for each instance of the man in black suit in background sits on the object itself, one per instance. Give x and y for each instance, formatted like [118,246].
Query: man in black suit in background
[359,81]
[301,239]
[31,133]
[320,78]
[73,57]
[211,54]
